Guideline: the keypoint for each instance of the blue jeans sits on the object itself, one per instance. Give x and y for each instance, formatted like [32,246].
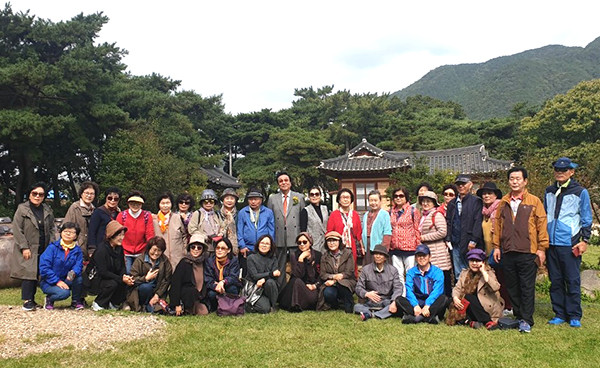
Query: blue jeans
[336,293]
[145,293]
[565,287]
[458,261]
[129,259]
[55,293]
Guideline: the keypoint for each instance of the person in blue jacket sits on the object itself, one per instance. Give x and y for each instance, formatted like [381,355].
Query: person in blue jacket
[254,221]
[569,214]
[425,300]
[61,265]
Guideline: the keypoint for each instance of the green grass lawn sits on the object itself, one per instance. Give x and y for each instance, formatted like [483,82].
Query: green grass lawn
[335,339]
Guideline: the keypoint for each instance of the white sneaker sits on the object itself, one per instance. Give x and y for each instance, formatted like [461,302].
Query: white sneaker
[111,306]
[96,307]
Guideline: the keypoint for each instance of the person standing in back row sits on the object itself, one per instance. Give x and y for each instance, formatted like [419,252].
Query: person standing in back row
[286,206]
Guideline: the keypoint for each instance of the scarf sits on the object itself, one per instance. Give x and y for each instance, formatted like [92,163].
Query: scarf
[254,217]
[163,220]
[490,211]
[347,233]
[210,225]
[198,269]
[371,216]
[67,247]
[221,266]
[561,187]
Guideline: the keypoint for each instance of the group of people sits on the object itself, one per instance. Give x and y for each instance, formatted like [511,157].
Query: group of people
[475,255]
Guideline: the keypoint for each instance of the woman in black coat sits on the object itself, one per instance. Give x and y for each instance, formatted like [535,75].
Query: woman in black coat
[221,272]
[263,269]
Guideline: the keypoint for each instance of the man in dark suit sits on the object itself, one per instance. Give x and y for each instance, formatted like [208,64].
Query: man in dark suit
[286,206]
[463,218]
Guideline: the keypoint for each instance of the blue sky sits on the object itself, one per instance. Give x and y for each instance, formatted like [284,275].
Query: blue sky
[255,53]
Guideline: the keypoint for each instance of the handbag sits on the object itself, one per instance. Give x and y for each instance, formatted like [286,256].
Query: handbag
[230,305]
[251,292]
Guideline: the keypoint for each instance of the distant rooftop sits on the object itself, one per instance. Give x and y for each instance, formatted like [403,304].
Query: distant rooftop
[219,177]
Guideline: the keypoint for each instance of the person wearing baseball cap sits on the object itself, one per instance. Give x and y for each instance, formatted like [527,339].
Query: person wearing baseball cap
[378,285]
[569,215]
[425,300]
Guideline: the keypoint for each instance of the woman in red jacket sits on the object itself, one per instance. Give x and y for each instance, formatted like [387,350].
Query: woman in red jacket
[140,228]
[346,221]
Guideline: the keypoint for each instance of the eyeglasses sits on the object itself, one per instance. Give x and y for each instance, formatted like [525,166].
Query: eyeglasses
[398,195]
[37,194]
[331,240]
[69,232]
[212,201]
[449,194]
[556,169]
[89,194]
[195,246]
[184,202]
[302,242]
[221,248]
[112,198]
[317,194]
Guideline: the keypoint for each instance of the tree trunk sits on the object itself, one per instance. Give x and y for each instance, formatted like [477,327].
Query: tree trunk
[72,185]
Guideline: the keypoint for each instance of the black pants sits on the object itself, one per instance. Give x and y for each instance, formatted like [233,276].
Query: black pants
[268,298]
[28,289]
[520,270]
[437,308]
[475,311]
[111,291]
[282,258]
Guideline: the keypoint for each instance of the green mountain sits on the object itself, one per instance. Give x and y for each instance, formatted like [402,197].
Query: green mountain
[491,89]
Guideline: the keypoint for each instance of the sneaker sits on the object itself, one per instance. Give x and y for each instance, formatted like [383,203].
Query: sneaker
[575,323]
[365,316]
[556,321]
[77,305]
[29,305]
[111,306]
[96,307]
[475,324]
[524,327]
[491,326]
[408,319]
[48,304]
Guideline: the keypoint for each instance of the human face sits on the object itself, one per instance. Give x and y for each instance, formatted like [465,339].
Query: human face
[68,235]
[208,204]
[399,198]
[516,182]
[221,250]
[449,195]
[284,183]
[134,206]
[562,175]
[112,200]
[196,250]
[154,253]
[184,205]
[488,197]
[475,265]
[379,259]
[333,244]
[303,243]
[345,200]
[229,202]
[374,202]
[88,196]
[422,190]
[314,196]
[264,246]
[36,196]
[117,240]
[464,188]
[165,205]
[427,204]
[254,202]
[422,260]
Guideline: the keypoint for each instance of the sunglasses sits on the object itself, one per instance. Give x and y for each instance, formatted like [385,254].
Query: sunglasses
[209,201]
[221,248]
[314,194]
[195,246]
[398,195]
[112,199]
[449,194]
[184,202]
[302,242]
[561,169]
[37,194]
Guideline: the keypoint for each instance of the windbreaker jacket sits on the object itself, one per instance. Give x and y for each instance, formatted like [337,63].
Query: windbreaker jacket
[248,234]
[569,215]
[424,289]
[54,266]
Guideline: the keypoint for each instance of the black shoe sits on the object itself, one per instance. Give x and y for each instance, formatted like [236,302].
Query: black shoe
[29,305]
[408,319]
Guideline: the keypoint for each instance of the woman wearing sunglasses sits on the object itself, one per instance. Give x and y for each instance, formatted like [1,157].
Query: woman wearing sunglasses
[101,217]
[33,229]
[207,221]
[185,208]
[313,219]
[449,192]
[301,292]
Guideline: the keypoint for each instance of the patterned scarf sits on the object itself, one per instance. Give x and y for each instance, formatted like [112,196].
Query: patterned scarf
[163,220]
[209,226]
[489,212]
[347,233]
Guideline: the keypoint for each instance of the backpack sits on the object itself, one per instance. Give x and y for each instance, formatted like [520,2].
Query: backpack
[145,213]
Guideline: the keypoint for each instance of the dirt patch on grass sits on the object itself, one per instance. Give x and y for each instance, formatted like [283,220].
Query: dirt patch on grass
[23,333]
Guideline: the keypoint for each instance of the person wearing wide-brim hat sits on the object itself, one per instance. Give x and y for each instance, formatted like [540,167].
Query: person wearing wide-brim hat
[229,213]
[140,227]
[206,220]
[433,230]
[377,287]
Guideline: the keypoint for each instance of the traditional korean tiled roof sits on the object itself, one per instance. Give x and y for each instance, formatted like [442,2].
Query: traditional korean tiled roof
[367,157]
[218,176]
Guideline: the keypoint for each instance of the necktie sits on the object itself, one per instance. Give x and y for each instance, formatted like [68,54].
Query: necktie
[284,206]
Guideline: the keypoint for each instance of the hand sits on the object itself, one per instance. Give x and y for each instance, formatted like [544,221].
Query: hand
[497,255]
[458,303]
[472,245]
[582,247]
[244,252]
[26,254]
[90,253]
[393,308]
[304,255]
[151,275]
[541,256]
[311,286]
[425,311]
[338,276]
[178,310]
[276,273]
[330,282]
[154,300]
[61,284]
[449,245]
[260,282]
[417,311]
[373,296]
[220,288]
[128,280]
